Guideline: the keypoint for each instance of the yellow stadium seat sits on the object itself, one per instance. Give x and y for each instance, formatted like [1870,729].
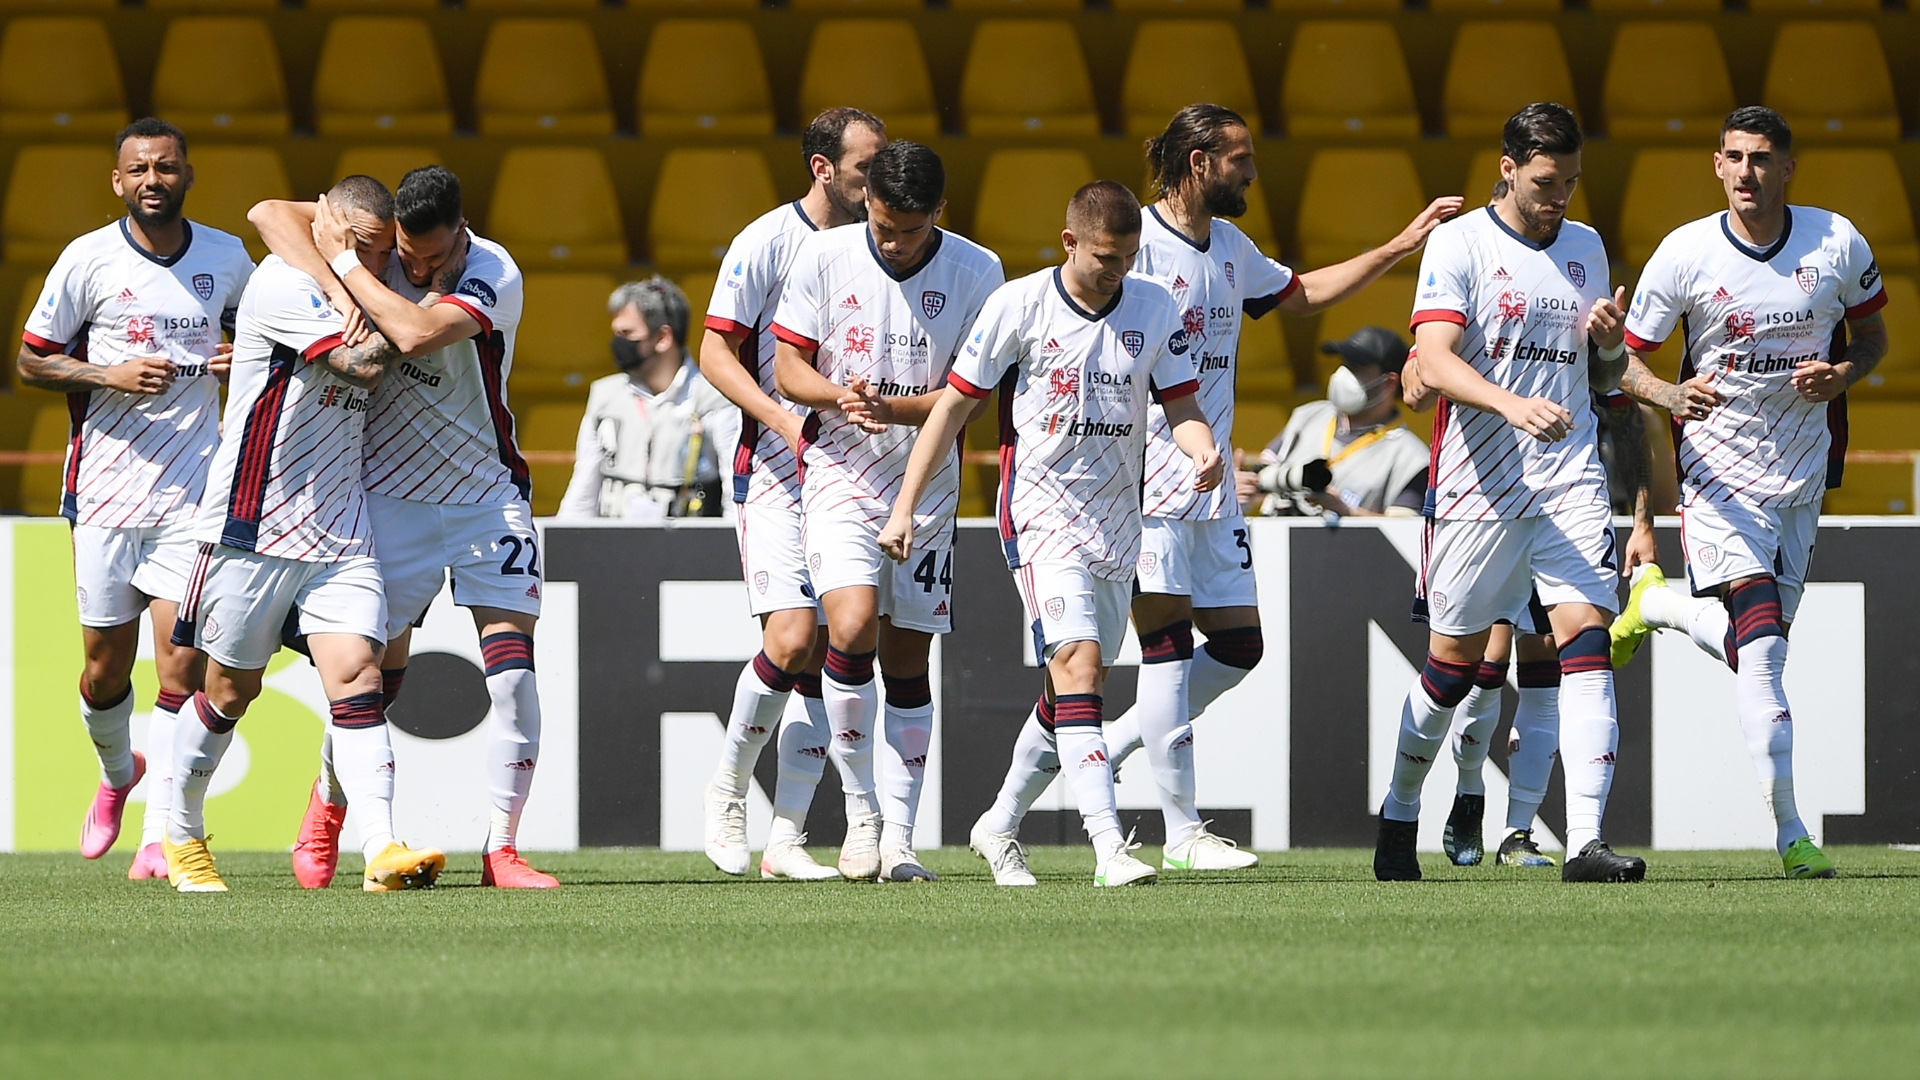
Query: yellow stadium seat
[1027,77]
[1864,185]
[1882,486]
[699,289]
[1830,81]
[1335,9]
[550,429]
[702,199]
[59,76]
[40,485]
[59,7]
[1495,8]
[1154,89]
[1179,7]
[542,77]
[1898,374]
[1265,370]
[562,344]
[1484,173]
[206,6]
[891,80]
[1667,81]
[1022,206]
[1497,67]
[704,77]
[1016,7]
[55,194]
[1354,200]
[221,75]
[1257,222]
[1387,302]
[694,7]
[1665,190]
[386,164]
[1641,9]
[385,7]
[228,180]
[532,7]
[857,7]
[1814,7]
[1347,78]
[395,88]
[1256,423]
[556,209]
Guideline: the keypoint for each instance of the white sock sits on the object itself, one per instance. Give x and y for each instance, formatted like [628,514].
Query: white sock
[107,726]
[1471,734]
[1423,727]
[1530,764]
[1208,678]
[1123,735]
[163,732]
[757,706]
[1161,712]
[1704,620]
[852,710]
[1035,764]
[1767,722]
[1083,754]
[802,752]
[197,750]
[329,783]
[901,769]
[1589,735]
[513,750]
[363,758]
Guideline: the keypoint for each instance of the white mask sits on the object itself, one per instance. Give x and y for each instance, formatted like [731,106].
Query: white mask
[1347,393]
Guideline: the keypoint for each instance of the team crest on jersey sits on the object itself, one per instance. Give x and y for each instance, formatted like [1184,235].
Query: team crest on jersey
[1437,603]
[1709,556]
[1229,269]
[859,341]
[1740,325]
[1063,383]
[1577,273]
[1147,561]
[1056,607]
[203,286]
[933,303]
[140,330]
[479,290]
[1808,278]
[1133,341]
[813,562]
[760,582]
[1513,305]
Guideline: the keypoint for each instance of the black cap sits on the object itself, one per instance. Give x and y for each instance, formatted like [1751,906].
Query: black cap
[1371,346]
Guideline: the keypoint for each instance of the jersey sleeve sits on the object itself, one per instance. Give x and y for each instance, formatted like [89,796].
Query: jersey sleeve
[800,318]
[64,306]
[1173,375]
[1268,282]
[294,314]
[1658,301]
[1860,287]
[991,283]
[992,348]
[490,291]
[742,292]
[1446,279]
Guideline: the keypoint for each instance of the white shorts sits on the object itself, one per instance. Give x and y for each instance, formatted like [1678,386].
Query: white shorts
[1208,560]
[844,551]
[1478,573]
[493,552]
[1727,541]
[116,571]
[238,603]
[772,562]
[1066,602]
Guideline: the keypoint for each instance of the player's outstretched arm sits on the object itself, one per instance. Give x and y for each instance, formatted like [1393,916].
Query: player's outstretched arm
[1866,345]
[1443,370]
[412,329]
[1331,284]
[943,425]
[1194,437]
[287,228]
[720,364]
[364,364]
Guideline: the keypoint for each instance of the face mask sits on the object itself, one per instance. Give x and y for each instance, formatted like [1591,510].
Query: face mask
[1347,393]
[626,353]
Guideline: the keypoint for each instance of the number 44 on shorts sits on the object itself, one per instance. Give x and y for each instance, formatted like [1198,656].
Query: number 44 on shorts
[923,573]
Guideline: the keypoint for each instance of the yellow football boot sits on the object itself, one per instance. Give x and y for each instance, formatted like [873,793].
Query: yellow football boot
[190,867]
[401,867]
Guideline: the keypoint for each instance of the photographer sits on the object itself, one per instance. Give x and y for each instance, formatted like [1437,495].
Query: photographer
[1349,455]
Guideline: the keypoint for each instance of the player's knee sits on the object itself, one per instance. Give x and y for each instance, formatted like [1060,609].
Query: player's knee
[1237,647]
[1167,644]
[1754,612]
[1587,651]
[1447,681]
[1490,674]
[1075,667]
[105,689]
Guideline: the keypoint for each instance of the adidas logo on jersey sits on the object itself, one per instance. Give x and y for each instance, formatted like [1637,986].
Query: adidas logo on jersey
[1180,283]
[1052,348]
[1721,295]
[1498,275]
[126,297]
[850,302]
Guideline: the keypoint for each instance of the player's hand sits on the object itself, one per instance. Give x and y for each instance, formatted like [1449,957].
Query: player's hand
[220,364]
[1246,484]
[1543,419]
[1692,400]
[332,232]
[1817,380]
[353,322]
[1607,320]
[897,538]
[1414,390]
[1208,469]
[1640,549]
[871,411]
[1414,236]
[141,375]
[791,429]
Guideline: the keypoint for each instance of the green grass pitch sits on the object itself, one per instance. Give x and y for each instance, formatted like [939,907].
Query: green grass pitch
[652,964]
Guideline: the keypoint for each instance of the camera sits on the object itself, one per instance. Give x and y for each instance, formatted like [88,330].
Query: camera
[1303,478]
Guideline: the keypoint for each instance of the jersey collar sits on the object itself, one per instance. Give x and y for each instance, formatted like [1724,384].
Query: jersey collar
[1508,229]
[159,260]
[933,248]
[1091,316]
[1154,209]
[801,213]
[1756,254]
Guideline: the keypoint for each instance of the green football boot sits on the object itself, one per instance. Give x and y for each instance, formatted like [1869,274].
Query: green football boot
[1804,860]
[1629,630]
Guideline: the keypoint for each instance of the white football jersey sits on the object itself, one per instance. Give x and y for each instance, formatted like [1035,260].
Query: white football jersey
[440,430]
[1214,284]
[286,479]
[842,303]
[140,460]
[1074,392]
[1747,318]
[744,298]
[1523,309]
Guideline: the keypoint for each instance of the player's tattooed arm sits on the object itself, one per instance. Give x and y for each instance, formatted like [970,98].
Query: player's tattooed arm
[1331,284]
[1633,456]
[364,364]
[412,329]
[65,374]
[1865,347]
[1690,400]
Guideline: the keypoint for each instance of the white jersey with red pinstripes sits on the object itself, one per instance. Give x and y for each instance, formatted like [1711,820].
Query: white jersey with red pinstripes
[1522,308]
[764,469]
[845,306]
[440,430]
[1213,284]
[1747,318]
[285,481]
[139,460]
[1074,392]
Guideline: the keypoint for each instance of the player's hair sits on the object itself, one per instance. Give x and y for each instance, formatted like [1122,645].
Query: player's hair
[827,134]
[1196,127]
[1762,121]
[660,303]
[428,198]
[148,127]
[363,193]
[907,178]
[1104,206]
[1544,127]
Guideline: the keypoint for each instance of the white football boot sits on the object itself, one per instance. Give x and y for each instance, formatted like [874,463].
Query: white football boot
[1118,867]
[726,832]
[787,858]
[860,851]
[1206,851]
[1005,855]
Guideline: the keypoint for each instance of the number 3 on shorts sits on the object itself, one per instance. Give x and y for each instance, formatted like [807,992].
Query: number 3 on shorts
[923,574]
[1246,549]
[519,546]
